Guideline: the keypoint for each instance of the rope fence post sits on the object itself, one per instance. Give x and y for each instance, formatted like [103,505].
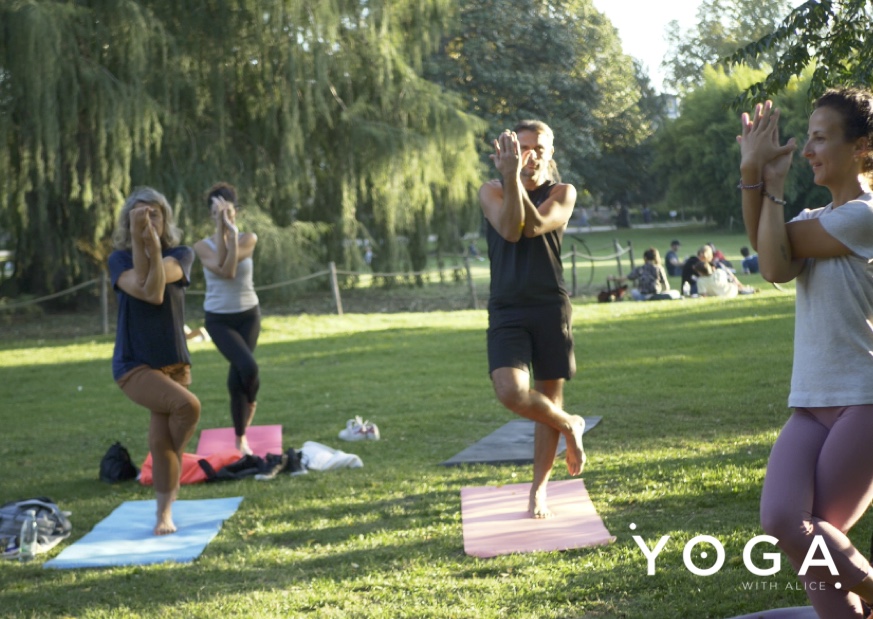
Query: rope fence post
[617,247]
[104,300]
[630,251]
[334,284]
[473,298]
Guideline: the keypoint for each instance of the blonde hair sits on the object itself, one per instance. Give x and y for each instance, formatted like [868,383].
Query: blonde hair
[171,234]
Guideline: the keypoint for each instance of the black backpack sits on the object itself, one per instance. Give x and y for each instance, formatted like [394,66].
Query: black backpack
[53,525]
[116,465]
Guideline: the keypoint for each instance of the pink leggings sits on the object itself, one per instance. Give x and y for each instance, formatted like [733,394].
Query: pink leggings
[175,412]
[820,482]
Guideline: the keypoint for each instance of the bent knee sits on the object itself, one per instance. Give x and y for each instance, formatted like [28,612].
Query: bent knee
[792,531]
[189,409]
[510,396]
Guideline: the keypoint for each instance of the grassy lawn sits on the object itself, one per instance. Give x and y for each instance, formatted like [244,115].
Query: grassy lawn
[692,394]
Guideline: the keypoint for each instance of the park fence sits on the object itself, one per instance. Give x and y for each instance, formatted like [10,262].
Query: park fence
[582,265]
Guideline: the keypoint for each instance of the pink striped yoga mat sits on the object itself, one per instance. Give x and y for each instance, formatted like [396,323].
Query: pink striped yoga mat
[262,440]
[496,522]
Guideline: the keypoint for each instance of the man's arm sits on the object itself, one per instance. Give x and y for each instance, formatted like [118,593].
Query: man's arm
[552,214]
[503,204]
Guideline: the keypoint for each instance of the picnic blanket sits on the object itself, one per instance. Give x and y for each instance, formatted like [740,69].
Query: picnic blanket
[126,536]
[495,520]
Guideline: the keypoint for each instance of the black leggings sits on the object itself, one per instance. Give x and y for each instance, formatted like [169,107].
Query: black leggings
[236,336]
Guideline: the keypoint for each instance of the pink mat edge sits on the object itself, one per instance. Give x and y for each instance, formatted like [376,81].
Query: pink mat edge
[262,439]
[560,491]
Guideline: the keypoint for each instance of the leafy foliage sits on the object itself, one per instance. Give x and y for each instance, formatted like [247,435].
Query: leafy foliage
[834,36]
[699,154]
[315,110]
[721,27]
[560,62]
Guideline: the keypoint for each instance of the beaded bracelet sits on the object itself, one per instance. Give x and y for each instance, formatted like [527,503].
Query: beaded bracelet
[773,198]
[755,186]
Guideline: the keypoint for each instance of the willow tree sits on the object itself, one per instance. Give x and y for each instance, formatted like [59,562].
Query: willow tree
[318,111]
[314,109]
[77,113]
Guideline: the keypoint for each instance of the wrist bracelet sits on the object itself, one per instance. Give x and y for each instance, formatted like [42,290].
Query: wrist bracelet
[755,186]
[773,198]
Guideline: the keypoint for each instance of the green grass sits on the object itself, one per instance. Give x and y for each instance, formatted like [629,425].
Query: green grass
[692,394]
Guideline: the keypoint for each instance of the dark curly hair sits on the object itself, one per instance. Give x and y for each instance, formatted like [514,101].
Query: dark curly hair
[855,106]
[221,190]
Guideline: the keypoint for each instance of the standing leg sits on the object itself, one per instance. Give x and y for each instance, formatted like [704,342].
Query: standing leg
[546,441]
[235,336]
[174,415]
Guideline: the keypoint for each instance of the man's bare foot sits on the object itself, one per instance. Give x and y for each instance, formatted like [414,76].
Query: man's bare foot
[165,524]
[575,452]
[537,507]
[242,445]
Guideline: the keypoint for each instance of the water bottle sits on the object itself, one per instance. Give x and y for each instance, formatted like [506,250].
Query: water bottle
[27,540]
[686,289]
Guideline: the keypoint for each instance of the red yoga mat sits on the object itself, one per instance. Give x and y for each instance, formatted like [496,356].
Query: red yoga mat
[262,440]
[496,522]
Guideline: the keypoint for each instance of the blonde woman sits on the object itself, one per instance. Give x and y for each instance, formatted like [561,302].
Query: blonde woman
[149,271]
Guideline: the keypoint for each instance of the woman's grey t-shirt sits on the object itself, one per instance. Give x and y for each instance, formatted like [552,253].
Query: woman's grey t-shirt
[833,331]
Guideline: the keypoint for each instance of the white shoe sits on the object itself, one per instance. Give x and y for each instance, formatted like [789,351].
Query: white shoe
[359,430]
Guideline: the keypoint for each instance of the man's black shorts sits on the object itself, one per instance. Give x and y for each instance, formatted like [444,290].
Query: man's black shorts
[538,338]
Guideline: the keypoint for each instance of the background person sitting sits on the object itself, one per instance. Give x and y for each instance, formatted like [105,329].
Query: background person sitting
[650,279]
[718,282]
[672,261]
[750,262]
[718,259]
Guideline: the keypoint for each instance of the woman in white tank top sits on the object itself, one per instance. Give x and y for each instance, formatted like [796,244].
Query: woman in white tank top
[233,317]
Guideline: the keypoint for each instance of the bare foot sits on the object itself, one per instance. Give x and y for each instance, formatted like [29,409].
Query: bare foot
[537,507]
[575,452]
[165,524]
[242,444]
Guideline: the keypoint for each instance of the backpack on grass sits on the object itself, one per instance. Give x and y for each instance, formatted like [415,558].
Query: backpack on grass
[53,525]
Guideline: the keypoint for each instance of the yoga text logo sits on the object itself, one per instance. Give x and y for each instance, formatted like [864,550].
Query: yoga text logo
[773,558]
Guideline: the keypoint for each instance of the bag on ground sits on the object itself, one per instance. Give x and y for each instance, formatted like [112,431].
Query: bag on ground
[117,465]
[53,525]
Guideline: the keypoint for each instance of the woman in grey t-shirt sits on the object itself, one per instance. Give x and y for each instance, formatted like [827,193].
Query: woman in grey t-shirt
[819,479]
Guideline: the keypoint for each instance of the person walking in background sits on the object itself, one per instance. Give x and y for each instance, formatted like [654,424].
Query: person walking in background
[149,271]
[819,479]
[232,310]
[672,261]
[750,262]
[529,313]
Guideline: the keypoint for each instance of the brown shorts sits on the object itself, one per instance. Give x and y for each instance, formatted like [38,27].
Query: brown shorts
[160,390]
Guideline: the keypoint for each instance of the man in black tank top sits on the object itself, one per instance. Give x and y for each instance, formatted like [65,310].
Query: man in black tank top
[529,311]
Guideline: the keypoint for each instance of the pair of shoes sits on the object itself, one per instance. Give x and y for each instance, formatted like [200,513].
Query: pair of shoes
[359,430]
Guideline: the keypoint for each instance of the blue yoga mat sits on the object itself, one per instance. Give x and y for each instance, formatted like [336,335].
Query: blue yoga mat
[125,537]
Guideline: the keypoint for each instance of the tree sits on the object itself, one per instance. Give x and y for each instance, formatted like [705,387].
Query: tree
[722,27]
[558,61]
[78,111]
[699,154]
[832,35]
[315,110]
